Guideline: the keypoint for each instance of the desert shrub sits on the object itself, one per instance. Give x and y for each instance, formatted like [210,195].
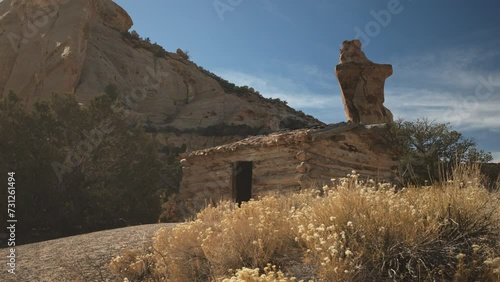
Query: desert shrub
[378,234]
[349,231]
[131,35]
[242,91]
[228,87]
[491,171]
[158,51]
[74,176]
[182,54]
[271,273]
[429,150]
[179,208]
[292,123]
[127,264]
[186,205]
[145,43]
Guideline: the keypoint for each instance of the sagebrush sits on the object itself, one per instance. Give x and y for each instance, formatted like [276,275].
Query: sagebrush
[349,231]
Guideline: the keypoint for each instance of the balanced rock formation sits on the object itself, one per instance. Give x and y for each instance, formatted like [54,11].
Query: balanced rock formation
[81,47]
[362,85]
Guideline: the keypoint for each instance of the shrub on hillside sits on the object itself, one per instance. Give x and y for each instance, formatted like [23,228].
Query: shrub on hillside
[182,54]
[351,231]
[145,43]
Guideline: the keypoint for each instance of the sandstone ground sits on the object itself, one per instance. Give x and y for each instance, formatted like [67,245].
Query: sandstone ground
[77,258]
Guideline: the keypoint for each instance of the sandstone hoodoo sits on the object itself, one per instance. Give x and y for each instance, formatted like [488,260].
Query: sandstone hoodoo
[362,84]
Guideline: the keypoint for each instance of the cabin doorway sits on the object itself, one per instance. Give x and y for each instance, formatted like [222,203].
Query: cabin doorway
[242,181]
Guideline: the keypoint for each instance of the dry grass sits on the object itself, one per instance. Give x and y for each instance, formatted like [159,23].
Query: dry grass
[351,231]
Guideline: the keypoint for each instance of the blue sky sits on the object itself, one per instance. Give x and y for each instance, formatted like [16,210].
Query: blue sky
[445,54]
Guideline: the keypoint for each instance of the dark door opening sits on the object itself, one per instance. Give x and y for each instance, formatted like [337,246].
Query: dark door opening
[242,181]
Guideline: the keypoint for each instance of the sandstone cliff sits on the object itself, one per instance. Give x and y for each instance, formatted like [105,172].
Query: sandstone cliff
[81,47]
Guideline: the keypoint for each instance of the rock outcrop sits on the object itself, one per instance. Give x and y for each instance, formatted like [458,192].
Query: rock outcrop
[362,85]
[81,47]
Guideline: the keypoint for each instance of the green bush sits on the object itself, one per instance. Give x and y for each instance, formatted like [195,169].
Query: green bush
[78,168]
[182,54]
[430,150]
[138,42]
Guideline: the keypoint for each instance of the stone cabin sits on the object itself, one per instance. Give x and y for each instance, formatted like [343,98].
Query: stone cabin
[291,160]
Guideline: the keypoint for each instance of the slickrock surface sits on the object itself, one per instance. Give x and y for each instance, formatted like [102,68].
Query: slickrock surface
[78,258]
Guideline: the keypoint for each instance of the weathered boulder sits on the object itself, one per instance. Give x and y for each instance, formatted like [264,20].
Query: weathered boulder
[362,85]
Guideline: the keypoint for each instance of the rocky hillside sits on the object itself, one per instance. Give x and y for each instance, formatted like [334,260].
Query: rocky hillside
[83,47]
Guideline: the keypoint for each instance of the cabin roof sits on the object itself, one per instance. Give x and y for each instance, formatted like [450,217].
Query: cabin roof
[281,138]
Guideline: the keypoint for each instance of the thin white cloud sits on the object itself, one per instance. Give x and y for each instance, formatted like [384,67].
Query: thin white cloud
[454,68]
[464,112]
[273,9]
[443,86]
[496,157]
[295,93]
[313,75]
[322,104]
